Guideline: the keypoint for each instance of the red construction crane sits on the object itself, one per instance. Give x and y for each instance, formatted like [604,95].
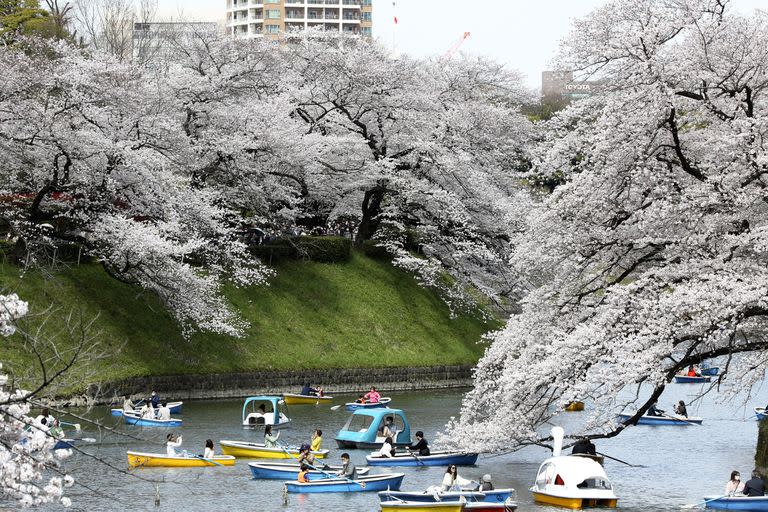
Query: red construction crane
[453,49]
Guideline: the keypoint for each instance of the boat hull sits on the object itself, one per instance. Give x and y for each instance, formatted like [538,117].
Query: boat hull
[573,503]
[483,506]
[661,420]
[449,506]
[259,451]
[175,408]
[711,372]
[684,379]
[146,422]
[755,503]
[278,471]
[437,459]
[575,406]
[159,460]
[495,496]
[373,483]
[353,406]
[292,399]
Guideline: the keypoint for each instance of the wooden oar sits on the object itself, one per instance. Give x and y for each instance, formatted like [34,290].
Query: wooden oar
[679,419]
[622,461]
[336,407]
[696,505]
[415,457]
[75,425]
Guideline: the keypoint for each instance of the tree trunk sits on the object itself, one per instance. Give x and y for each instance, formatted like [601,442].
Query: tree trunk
[370,219]
[761,454]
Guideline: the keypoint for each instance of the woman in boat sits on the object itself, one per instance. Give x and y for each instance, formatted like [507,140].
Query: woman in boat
[734,485]
[270,439]
[303,470]
[373,396]
[317,440]
[306,456]
[680,409]
[692,371]
[172,444]
[164,412]
[310,391]
[452,480]
[420,445]
[387,449]
[485,483]
[208,452]
[127,405]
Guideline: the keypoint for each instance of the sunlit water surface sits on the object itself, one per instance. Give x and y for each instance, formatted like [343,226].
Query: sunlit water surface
[681,463]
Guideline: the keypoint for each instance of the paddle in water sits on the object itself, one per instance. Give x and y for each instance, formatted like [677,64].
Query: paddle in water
[697,505]
[622,461]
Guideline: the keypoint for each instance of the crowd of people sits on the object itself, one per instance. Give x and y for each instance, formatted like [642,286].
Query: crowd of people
[151,408]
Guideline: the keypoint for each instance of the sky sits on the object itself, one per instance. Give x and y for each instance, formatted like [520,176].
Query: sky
[524,34]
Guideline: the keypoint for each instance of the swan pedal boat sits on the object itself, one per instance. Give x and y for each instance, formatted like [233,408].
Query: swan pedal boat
[685,379]
[155,460]
[760,413]
[286,471]
[434,459]
[669,419]
[370,483]
[754,503]
[494,496]
[353,406]
[246,449]
[135,419]
[573,481]
[296,399]
[175,408]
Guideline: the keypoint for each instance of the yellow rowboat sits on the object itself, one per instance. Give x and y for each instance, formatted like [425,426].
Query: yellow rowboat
[416,506]
[575,406]
[293,399]
[156,460]
[259,451]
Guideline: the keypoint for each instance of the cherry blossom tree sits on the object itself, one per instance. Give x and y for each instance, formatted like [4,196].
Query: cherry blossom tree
[652,254]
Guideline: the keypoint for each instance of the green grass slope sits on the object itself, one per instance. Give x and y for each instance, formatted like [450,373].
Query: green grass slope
[363,313]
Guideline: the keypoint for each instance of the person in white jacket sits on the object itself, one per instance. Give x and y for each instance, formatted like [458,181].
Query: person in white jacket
[164,412]
[173,443]
[208,452]
[452,480]
[387,449]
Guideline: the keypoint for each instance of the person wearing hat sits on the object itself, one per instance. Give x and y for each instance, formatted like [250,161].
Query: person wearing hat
[485,483]
[306,456]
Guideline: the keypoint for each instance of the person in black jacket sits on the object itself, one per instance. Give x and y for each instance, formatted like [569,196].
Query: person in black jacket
[420,445]
[585,446]
[755,485]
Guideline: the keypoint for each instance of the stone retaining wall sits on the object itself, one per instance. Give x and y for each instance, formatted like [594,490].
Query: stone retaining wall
[238,385]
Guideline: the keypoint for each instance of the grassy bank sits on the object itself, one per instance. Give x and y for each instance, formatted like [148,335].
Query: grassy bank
[363,313]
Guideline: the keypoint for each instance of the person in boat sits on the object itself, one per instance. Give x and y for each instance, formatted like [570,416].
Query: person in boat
[148,412]
[452,480]
[485,483]
[360,399]
[387,449]
[755,486]
[303,470]
[306,456]
[270,439]
[420,445]
[208,452]
[173,442]
[584,446]
[45,419]
[681,410]
[56,431]
[654,411]
[348,470]
[734,485]
[154,399]
[389,429]
[164,412]
[310,391]
[373,396]
[317,440]
[128,405]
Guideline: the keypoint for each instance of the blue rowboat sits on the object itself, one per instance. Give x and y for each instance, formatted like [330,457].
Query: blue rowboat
[755,503]
[495,496]
[434,459]
[175,408]
[760,413]
[287,471]
[711,371]
[135,419]
[353,406]
[670,419]
[373,483]
[685,379]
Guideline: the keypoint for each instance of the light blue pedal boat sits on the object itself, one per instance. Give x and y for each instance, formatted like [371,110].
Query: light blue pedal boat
[372,483]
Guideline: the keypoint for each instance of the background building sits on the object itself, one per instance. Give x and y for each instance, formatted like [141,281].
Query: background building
[162,41]
[275,18]
[560,86]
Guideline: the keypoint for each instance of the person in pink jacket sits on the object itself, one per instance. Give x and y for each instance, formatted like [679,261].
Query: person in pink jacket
[373,396]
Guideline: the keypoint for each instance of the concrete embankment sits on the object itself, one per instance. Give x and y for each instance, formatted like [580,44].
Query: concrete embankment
[238,385]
